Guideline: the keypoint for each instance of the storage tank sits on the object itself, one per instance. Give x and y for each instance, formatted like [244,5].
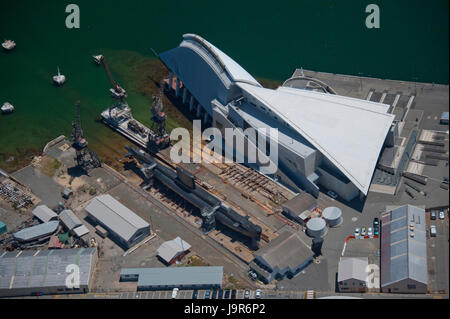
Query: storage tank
[316,227]
[332,216]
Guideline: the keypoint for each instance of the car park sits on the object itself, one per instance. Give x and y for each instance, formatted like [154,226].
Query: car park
[441,215]
[370,232]
[214,294]
[247,294]
[233,294]
[195,294]
[227,294]
[376,230]
[356,232]
[207,294]
[258,294]
[433,215]
[363,231]
[433,231]
[174,293]
[220,296]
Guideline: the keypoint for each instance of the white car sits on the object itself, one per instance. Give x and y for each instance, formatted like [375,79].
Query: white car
[433,231]
[258,294]
[174,293]
[370,232]
[356,232]
[441,215]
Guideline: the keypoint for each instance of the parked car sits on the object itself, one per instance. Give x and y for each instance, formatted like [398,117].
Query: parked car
[233,294]
[433,215]
[332,194]
[258,294]
[441,215]
[363,231]
[376,231]
[433,231]
[207,294]
[174,293]
[375,222]
[370,232]
[247,294]
[227,294]
[214,294]
[253,276]
[356,232]
[220,296]
[195,294]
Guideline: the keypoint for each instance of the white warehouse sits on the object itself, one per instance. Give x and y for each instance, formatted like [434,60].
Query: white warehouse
[324,139]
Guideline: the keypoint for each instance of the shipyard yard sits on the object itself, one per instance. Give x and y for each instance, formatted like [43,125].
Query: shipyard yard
[177,174]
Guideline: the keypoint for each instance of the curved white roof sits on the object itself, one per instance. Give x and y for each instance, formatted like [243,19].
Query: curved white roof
[349,132]
[238,73]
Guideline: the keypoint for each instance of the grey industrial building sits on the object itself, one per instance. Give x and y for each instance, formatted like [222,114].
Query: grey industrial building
[123,225]
[352,274]
[69,219]
[174,277]
[44,214]
[36,232]
[285,256]
[324,139]
[31,272]
[300,204]
[404,251]
[171,250]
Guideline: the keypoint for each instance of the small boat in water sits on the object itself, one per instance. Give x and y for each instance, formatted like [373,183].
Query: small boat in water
[7,108]
[98,58]
[118,92]
[59,79]
[8,45]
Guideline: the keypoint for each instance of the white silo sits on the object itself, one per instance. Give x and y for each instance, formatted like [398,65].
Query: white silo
[316,227]
[333,216]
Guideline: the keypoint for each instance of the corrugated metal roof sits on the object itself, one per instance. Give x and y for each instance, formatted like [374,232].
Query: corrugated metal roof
[176,276]
[171,248]
[37,231]
[353,268]
[116,216]
[81,230]
[338,127]
[43,268]
[403,256]
[44,214]
[69,219]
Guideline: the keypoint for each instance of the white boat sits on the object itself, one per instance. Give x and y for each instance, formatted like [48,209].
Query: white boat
[59,79]
[7,108]
[9,45]
[98,58]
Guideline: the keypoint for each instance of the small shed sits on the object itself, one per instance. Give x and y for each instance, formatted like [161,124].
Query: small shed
[173,249]
[69,219]
[81,231]
[44,214]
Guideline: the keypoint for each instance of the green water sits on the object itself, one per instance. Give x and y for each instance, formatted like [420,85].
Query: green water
[269,39]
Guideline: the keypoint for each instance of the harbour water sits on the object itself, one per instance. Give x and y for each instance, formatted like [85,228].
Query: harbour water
[269,39]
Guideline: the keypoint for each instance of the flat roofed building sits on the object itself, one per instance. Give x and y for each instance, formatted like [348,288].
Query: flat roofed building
[31,272]
[352,274]
[174,277]
[285,256]
[404,250]
[172,250]
[44,214]
[300,204]
[122,224]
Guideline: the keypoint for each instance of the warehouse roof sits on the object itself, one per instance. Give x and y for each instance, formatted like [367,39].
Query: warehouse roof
[44,214]
[116,216]
[403,245]
[349,132]
[37,231]
[171,248]
[69,219]
[353,268]
[286,251]
[176,276]
[43,268]
[81,230]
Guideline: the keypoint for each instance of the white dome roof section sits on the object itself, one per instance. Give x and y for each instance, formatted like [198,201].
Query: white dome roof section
[237,73]
[350,136]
